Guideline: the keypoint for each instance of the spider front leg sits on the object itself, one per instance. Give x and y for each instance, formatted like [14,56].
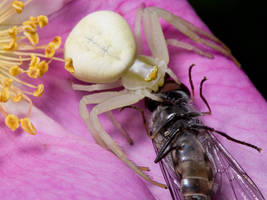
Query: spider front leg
[117,101]
[95,87]
[94,99]
[154,31]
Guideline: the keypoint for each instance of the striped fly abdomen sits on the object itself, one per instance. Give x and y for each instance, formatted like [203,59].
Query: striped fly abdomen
[191,162]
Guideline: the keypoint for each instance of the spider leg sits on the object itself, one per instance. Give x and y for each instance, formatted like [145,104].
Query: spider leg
[110,104]
[137,30]
[94,99]
[191,31]
[187,46]
[156,40]
[95,87]
[154,36]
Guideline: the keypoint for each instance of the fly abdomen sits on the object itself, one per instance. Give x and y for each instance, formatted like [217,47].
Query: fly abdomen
[196,183]
[191,162]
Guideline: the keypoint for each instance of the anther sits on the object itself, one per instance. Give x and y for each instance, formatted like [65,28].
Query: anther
[27,126]
[7,82]
[29,26]
[42,21]
[12,122]
[13,32]
[32,37]
[18,5]
[34,60]
[16,98]
[56,42]
[43,67]
[39,91]
[69,65]
[11,46]
[33,72]
[50,50]
[4,95]
[15,70]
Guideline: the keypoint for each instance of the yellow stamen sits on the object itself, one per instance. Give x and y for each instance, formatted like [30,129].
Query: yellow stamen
[13,32]
[15,70]
[7,82]
[19,49]
[18,5]
[34,20]
[69,65]
[42,21]
[12,122]
[33,72]
[39,91]
[4,95]
[34,60]
[56,42]
[43,67]
[32,37]
[29,26]
[27,126]
[16,98]
[11,46]
[50,50]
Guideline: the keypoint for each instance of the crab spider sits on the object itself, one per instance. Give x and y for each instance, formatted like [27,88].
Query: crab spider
[104,51]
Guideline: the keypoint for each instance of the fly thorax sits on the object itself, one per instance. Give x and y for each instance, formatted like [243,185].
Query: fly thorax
[145,73]
[189,148]
[178,97]
[159,119]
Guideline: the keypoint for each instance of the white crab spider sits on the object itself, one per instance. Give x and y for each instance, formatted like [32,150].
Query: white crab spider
[104,51]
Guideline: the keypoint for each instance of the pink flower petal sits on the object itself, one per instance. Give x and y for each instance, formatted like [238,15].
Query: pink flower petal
[237,109]
[56,164]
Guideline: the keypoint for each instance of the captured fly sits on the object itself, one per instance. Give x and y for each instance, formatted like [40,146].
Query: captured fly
[195,164]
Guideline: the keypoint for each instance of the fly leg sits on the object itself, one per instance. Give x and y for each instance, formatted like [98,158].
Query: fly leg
[143,117]
[190,79]
[203,98]
[196,127]
[201,86]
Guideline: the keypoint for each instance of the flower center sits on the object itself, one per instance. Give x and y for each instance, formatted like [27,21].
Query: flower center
[20,56]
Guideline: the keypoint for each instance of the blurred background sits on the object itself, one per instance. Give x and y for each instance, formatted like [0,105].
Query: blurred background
[241,25]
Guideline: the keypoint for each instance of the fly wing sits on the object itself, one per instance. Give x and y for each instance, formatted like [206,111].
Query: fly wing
[172,179]
[231,181]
